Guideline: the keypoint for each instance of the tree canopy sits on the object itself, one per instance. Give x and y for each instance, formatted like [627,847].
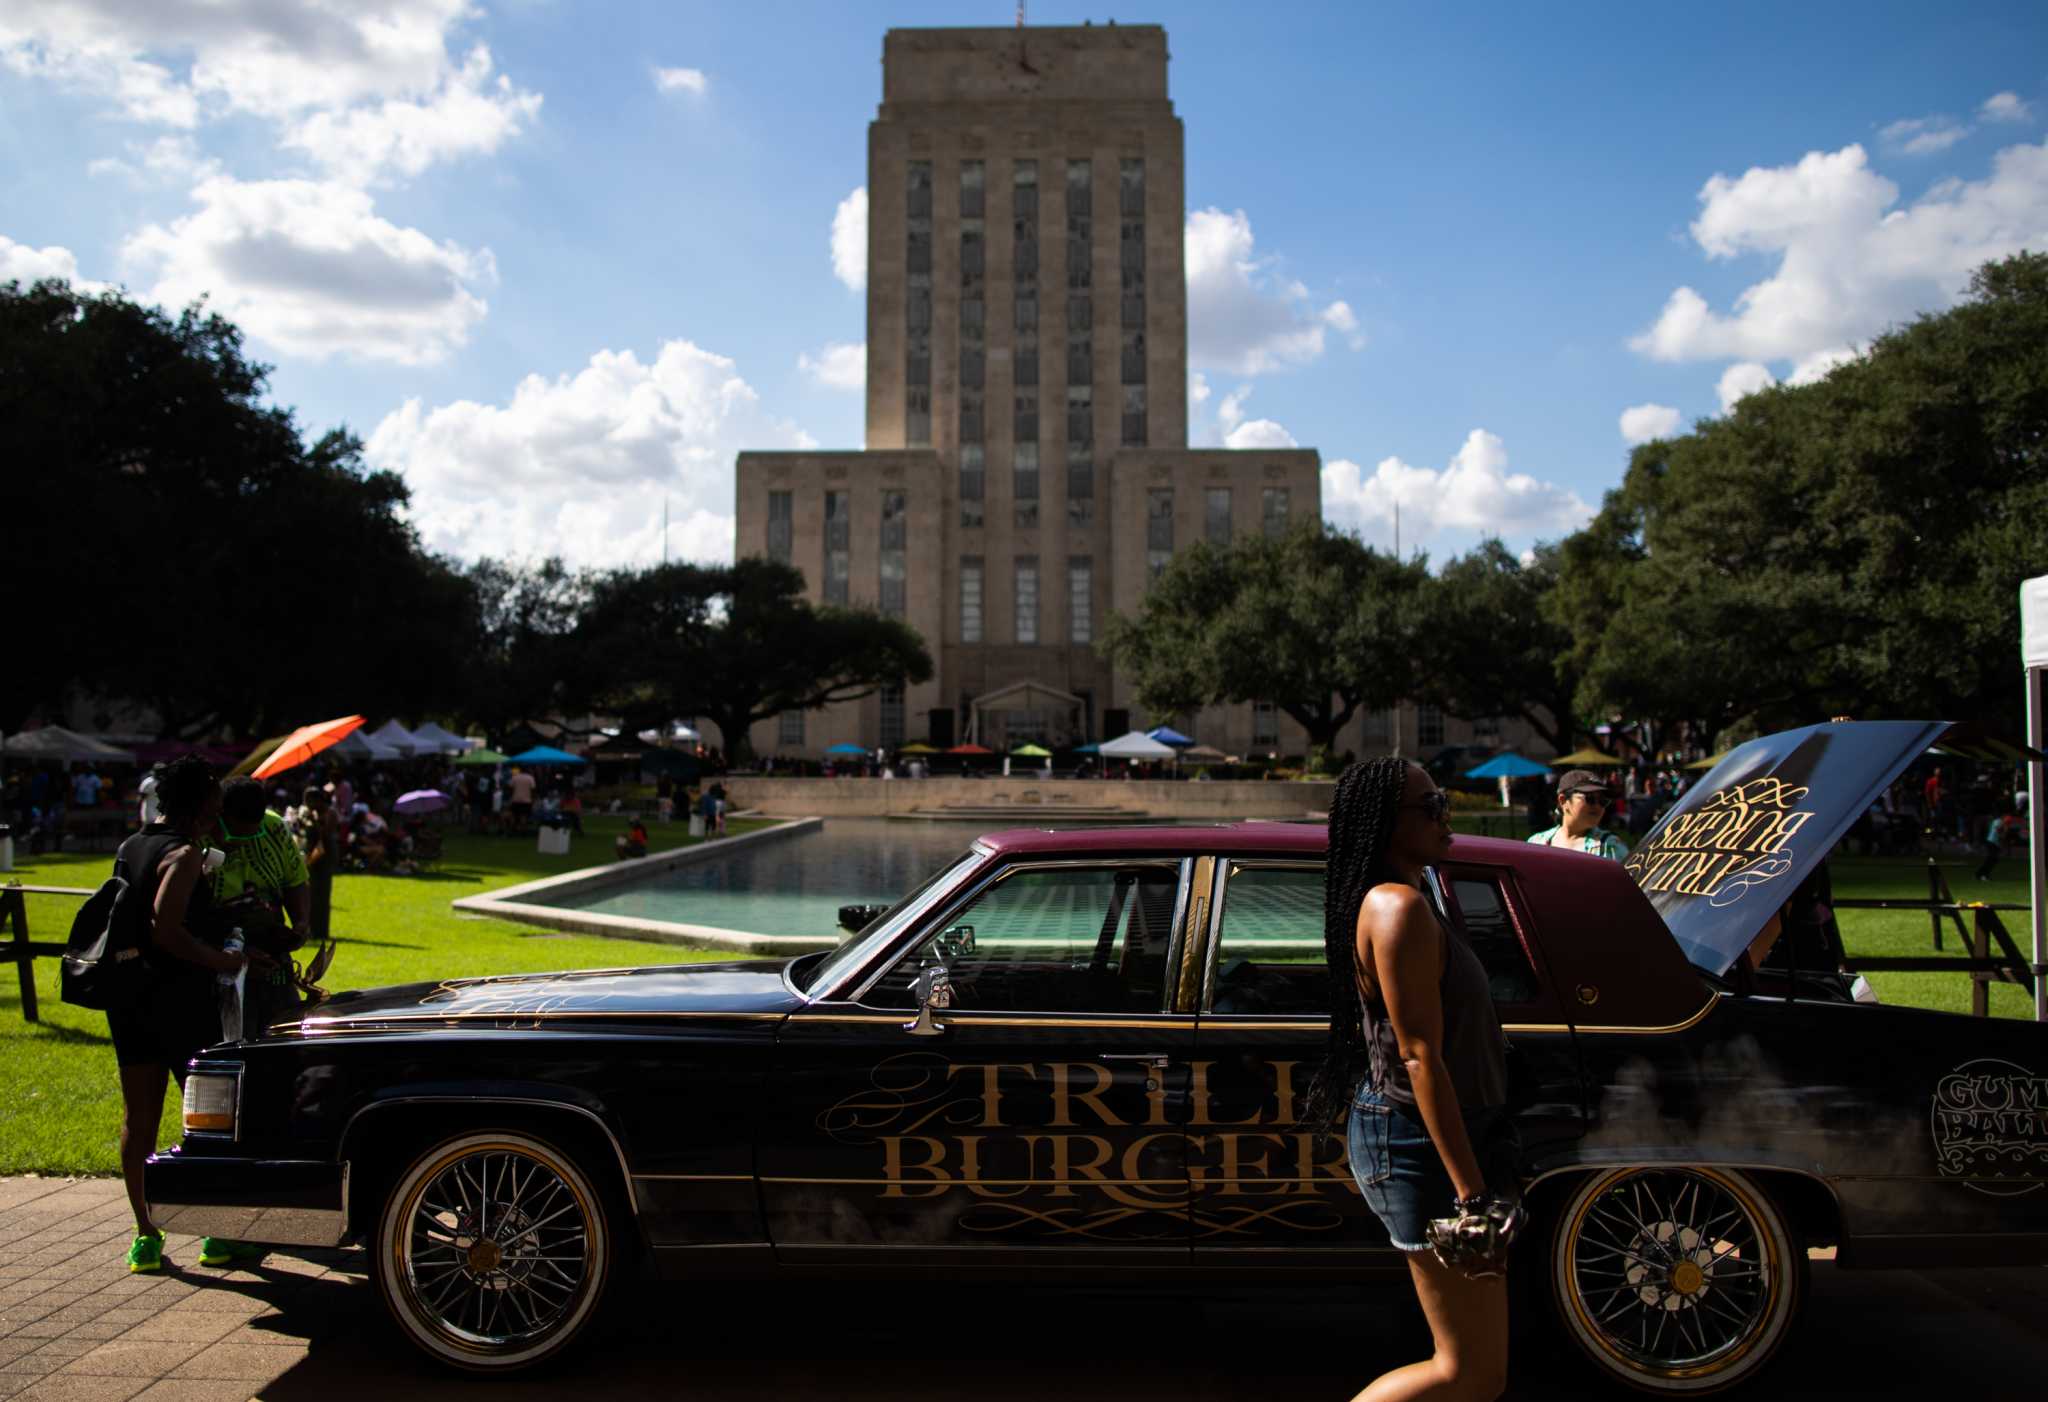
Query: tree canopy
[735,645]
[173,540]
[1315,622]
[1852,546]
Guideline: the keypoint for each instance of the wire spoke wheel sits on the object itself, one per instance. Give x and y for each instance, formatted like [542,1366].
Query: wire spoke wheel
[494,1251]
[1681,1281]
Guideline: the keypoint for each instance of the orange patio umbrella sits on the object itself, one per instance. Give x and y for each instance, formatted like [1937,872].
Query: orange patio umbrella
[305,742]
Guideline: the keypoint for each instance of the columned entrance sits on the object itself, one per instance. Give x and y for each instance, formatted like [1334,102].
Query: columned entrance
[1028,712]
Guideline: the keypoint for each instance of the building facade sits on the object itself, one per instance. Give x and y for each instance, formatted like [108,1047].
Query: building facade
[1026,466]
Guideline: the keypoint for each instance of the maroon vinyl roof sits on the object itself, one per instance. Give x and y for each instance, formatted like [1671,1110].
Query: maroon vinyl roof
[1272,839]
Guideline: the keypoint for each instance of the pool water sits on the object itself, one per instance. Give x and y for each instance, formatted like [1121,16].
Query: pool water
[793,885]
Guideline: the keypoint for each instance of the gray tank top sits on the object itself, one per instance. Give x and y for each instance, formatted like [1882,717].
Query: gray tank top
[1473,1049]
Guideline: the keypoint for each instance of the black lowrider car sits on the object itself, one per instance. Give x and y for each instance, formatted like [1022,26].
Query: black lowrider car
[1087,1051]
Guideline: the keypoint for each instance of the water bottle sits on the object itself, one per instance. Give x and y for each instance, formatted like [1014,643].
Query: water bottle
[229,990]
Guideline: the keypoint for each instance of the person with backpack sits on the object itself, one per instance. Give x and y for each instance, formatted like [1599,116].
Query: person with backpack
[171,1013]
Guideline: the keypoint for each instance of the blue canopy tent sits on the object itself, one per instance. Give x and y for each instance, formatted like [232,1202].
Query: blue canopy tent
[1167,735]
[844,747]
[1509,765]
[547,754]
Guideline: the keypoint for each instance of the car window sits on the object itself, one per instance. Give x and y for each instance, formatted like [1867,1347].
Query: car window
[1483,915]
[1269,952]
[1269,941]
[1054,940]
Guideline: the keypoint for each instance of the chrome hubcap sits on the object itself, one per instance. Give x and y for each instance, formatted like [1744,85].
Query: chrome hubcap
[496,1251]
[1672,1271]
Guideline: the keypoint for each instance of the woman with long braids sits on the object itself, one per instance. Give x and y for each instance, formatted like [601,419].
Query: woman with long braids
[1416,1057]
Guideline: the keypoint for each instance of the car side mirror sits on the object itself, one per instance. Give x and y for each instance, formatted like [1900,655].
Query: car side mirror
[933,989]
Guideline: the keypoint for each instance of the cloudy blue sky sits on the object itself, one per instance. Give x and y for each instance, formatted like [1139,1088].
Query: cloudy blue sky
[557,261]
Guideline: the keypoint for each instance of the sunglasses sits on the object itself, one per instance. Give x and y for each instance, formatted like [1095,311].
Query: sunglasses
[1434,805]
[1597,800]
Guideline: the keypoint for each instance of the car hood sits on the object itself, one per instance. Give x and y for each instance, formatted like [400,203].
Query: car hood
[751,987]
[1736,846]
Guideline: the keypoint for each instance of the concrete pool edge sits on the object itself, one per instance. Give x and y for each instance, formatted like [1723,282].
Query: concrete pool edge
[514,902]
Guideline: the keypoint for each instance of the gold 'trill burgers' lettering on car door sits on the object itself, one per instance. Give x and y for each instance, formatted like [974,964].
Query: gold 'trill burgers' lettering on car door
[940,1127]
[1737,839]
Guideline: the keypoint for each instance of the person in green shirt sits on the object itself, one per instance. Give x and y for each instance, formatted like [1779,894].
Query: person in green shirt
[1583,799]
[262,887]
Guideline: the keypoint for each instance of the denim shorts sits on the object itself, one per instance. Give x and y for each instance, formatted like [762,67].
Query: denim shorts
[1401,1175]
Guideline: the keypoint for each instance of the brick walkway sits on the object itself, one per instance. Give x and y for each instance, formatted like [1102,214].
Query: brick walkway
[75,1325]
[307,1327]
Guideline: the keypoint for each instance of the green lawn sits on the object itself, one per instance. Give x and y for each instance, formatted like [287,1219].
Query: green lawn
[59,1106]
[59,1102]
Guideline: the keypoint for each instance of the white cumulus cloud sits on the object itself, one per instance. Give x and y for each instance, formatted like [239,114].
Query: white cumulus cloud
[850,240]
[365,87]
[2005,107]
[469,114]
[689,80]
[1850,261]
[310,268]
[25,265]
[581,464]
[838,365]
[1243,318]
[1742,379]
[1474,493]
[1642,422]
[168,160]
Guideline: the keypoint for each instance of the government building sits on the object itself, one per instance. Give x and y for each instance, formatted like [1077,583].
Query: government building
[1026,468]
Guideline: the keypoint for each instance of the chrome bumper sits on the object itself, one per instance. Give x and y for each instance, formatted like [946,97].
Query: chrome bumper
[273,1202]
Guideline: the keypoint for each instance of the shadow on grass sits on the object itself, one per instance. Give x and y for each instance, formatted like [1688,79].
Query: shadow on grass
[58,1033]
[343,941]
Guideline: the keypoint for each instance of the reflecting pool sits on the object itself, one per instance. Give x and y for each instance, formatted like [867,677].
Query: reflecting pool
[794,885]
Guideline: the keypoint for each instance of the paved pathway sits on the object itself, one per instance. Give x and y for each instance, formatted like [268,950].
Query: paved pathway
[307,1328]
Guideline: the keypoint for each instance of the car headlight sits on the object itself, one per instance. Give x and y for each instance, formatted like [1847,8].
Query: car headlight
[210,1103]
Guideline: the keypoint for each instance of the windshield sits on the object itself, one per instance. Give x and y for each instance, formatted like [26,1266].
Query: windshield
[838,961]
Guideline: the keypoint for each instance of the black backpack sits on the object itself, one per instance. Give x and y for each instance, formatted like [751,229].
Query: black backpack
[106,962]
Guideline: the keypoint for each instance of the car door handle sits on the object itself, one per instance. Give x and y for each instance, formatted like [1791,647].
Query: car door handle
[1158,1061]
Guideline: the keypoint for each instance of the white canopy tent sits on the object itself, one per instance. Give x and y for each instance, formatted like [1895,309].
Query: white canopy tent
[1136,744]
[361,745]
[431,737]
[396,736]
[54,742]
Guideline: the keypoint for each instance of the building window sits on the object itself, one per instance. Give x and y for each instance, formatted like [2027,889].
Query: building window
[1026,428]
[1133,357]
[1080,415]
[1376,727]
[838,545]
[1486,730]
[917,353]
[970,598]
[1158,530]
[972,479]
[971,180]
[892,717]
[1080,485]
[1134,416]
[781,526]
[1027,598]
[789,728]
[1273,511]
[1081,599]
[1216,516]
[1131,195]
[1429,724]
[895,535]
[1265,723]
[1024,484]
[1080,355]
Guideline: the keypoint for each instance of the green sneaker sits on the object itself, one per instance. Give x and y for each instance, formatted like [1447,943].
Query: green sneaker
[219,1251]
[146,1252]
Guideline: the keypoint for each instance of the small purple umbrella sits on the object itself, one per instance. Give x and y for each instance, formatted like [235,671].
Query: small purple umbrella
[421,801]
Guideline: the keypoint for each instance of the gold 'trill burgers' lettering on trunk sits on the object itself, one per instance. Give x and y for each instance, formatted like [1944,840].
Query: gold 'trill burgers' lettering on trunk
[1740,837]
